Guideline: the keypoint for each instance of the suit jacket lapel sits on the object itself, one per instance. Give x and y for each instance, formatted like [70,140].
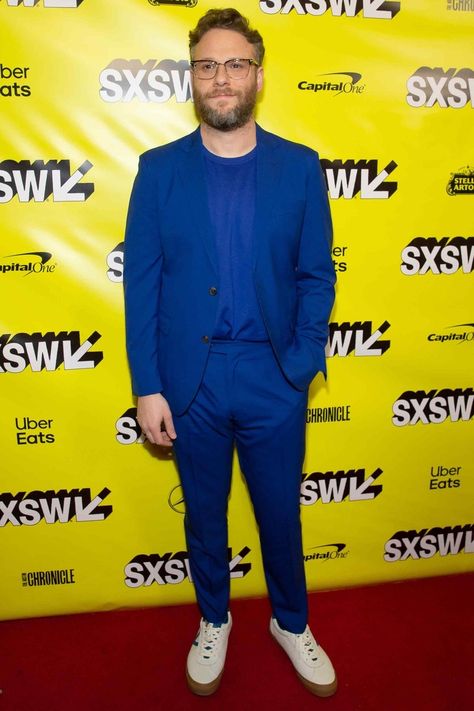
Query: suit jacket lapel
[268,181]
[195,196]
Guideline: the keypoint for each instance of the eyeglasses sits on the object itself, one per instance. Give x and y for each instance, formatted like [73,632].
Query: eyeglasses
[234,68]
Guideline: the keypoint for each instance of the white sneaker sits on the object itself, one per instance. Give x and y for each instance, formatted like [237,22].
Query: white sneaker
[206,658]
[311,662]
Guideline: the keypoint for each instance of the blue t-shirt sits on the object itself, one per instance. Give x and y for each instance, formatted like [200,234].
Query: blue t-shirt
[231,186]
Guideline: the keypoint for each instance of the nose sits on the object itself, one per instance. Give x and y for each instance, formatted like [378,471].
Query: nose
[221,75]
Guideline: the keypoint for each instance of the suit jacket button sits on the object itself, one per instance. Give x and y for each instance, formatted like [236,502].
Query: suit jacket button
[213,291]
[205,339]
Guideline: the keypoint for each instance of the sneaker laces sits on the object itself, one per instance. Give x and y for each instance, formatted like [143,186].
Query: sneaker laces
[208,639]
[308,645]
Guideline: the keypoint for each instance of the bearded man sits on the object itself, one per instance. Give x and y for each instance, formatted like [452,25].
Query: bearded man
[229,285]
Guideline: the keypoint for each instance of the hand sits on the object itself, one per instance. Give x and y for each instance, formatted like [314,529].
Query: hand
[155,419]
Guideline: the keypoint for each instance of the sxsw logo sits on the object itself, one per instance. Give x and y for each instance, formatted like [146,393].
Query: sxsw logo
[438,256]
[359,338]
[129,79]
[173,568]
[115,264]
[449,540]
[348,178]
[128,429]
[433,407]
[451,89]
[47,351]
[337,486]
[38,180]
[45,3]
[62,506]
[374,9]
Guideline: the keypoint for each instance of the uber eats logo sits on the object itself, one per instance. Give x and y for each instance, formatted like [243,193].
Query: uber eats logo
[451,89]
[129,79]
[337,486]
[173,568]
[449,540]
[446,255]
[62,506]
[348,178]
[433,407]
[48,351]
[37,180]
[374,9]
[359,338]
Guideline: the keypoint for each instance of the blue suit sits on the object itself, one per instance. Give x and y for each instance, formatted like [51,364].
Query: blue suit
[171,265]
[230,393]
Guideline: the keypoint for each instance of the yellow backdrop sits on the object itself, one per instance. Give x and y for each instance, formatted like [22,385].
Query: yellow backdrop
[90,514]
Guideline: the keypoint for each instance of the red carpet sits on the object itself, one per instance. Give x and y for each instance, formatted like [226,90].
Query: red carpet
[396,647]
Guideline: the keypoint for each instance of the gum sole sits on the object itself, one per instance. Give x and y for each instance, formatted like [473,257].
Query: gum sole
[321,690]
[203,689]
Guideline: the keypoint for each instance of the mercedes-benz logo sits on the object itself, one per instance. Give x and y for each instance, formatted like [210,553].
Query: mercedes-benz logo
[176,499]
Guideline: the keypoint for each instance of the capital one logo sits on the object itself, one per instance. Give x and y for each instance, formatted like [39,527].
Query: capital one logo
[37,180]
[375,9]
[451,89]
[128,79]
[46,3]
[348,178]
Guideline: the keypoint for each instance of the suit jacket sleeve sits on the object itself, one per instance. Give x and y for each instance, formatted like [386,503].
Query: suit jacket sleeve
[315,275]
[143,261]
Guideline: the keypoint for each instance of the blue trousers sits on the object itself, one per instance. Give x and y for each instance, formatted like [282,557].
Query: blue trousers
[244,400]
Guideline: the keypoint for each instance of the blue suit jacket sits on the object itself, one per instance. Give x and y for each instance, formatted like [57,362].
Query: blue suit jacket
[170,265]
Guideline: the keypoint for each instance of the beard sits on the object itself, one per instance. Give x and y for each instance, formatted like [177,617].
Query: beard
[230,119]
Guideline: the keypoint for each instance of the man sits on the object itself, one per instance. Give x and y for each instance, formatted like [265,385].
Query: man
[229,285]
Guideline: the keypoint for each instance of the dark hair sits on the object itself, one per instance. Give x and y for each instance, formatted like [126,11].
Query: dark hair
[227,19]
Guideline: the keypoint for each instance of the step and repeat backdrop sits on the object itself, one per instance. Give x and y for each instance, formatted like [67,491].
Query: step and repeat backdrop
[90,513]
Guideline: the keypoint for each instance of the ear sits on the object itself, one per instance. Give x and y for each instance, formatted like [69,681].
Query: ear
[259,78]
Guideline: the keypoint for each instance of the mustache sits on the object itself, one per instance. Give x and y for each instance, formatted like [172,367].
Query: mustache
[221,92]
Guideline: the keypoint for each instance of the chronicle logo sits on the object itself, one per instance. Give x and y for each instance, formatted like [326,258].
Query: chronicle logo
[438,256]
[37,180]
[374,9]
[115,264]
[449,540]
[173,568]
[128,429]
[433,407]
[13,73]
[338,486]
[176,499]
[461,5]
[455,336]
[47,351]
[62,506]
[336,413]
[333,551]
[66,576]
[128,79]
[338,87]
[359,338]
[451,89]
[46,3]
[347,178]
[23,263]
[183,3]
[462,182]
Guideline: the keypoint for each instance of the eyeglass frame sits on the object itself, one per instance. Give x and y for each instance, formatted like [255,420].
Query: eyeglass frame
[252,62]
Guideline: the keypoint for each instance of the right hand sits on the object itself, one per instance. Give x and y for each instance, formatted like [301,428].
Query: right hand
[155,419]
